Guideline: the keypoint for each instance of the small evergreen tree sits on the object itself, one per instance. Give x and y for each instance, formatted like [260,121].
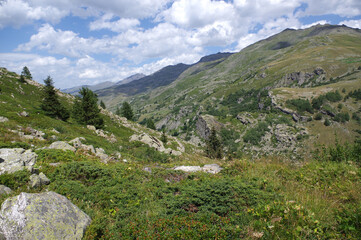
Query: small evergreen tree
[86,110]
[150,124]
[26,73]
[164,138]
[214,146]
[22,79]
[117,111]
[50,103]
[126,111]
[102,104]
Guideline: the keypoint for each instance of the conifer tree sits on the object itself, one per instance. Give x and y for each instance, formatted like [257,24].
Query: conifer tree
[118,112]
[50,103]
[26,73]
[214,146]
[86,110]
[126,111]
[164,138]
[102,104]
[150,124]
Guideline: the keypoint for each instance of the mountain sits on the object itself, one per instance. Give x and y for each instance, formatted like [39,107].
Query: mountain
[75,90]
[130,79]
[263,109]
[255,81]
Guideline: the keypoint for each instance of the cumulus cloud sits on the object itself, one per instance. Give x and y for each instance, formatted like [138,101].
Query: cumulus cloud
[352,23]
[116,26]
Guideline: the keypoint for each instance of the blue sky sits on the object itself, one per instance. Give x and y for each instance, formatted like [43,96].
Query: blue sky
[80,42]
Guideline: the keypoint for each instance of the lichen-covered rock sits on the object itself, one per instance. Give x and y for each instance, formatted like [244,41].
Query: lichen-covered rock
[209,168]
[4,190]
[38,180]
[45,215]
[3,119]
[78,144]
[15,159]
[62,146]
[204,125]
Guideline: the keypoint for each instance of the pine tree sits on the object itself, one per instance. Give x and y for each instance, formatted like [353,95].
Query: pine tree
[86,110]
[126,111]
[26,73]
[102,104]
[150,124]
[164,138]
[214,146]
[50,103]
[118,112]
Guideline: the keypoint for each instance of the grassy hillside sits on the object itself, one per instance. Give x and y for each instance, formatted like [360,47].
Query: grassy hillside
[143,198]
[293,60]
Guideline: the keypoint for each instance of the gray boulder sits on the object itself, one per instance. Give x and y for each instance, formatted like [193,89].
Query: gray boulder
[4,190]
[15,159]
[45,215]
[208,168]
[3,119]
[38,180]
[62,146]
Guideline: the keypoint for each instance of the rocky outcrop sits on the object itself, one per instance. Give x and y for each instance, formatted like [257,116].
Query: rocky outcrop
[204,125]
[77,143]
[3,119]
[38,180]
[209,168]
[45,215]
[104,134]
[300,78]
[15,159]
[154,143]
[4,190]
[61,146]
[245,118]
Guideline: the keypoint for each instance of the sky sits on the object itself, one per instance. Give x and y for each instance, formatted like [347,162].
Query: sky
[79,42]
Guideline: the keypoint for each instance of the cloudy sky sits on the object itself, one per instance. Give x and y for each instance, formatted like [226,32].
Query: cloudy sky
[80,42]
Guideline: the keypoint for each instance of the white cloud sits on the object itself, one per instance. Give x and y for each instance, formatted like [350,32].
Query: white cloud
[344,8]
[115,26]
[352,23]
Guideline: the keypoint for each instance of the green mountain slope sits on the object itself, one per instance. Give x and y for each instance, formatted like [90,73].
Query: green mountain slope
[299,59]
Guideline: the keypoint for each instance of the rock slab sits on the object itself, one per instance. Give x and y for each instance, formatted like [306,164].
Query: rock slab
[15,159]
[45,215]
[4,190]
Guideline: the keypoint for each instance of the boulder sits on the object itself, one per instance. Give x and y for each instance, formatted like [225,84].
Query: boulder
[24,114]
[204,125]
[38,180]
[45,215]
[15,159]
[3,119]
[77,143]
[4,190]
[62,146]
[208,168]
[100,153]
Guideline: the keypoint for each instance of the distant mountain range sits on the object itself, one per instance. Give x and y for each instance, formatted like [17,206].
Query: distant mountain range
[102,85]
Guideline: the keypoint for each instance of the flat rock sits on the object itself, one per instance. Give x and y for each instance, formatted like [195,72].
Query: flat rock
[45,215]
[4,190]
[15,159]
[209,168]
[62,146]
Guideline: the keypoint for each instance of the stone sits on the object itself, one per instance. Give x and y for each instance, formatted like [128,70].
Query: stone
[44,179]
[4,190]
[3,119]
[35,181]
[211,168]
[77,143]
[46,215]
[91,127]
[204,125]
[62,146]
[24,114]
[15,159]
[208,168]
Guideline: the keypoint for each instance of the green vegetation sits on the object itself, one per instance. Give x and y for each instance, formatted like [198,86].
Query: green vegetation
[342,117]
[214,146]
[86,110]
[150,124]
[126,111]
[51,104]
[102,104]
[301,105]
[254,135]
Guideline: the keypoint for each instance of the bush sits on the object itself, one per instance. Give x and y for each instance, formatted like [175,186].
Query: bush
[254,135]
[318,116]
[15,180]
[342,117]
[333,96]
[327,122]
[300,105]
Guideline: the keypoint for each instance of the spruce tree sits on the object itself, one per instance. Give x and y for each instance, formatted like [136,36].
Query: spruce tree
[150,124]
[164,138]
[26,73]
[214,146]
[102,104]
[126,111]
[86,110]
[50,103]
